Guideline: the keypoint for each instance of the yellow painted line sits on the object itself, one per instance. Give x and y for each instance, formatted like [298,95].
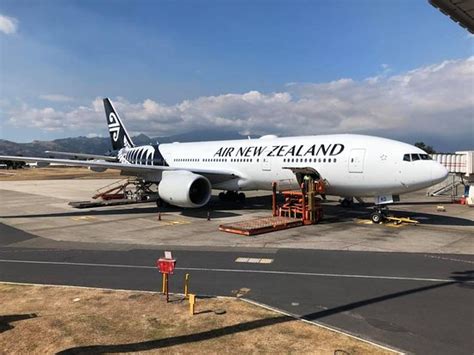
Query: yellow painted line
[364,221]
[84,218]
[391,222]
[392,225]
[173,222]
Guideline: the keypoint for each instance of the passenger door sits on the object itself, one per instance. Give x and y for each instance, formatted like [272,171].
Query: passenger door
[356,160]
[266,164]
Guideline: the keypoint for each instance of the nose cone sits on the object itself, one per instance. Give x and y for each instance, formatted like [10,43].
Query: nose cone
[438,173]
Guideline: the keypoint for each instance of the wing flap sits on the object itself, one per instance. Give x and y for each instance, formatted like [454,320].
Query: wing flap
[81,155]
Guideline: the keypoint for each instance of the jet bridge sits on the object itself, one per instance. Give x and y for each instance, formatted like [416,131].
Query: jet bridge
[461,174]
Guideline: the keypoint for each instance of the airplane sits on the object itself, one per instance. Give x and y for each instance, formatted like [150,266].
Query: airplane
[352,165]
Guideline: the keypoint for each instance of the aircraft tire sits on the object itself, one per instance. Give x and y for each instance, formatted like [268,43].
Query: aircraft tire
[376,217]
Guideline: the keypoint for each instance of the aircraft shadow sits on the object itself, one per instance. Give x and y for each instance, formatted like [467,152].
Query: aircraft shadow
[218,209]
[458,278]
[224,209]
[6,320]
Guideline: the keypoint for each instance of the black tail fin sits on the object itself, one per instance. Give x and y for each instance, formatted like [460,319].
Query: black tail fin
[118,133]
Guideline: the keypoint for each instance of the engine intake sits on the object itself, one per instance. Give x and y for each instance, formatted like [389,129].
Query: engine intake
[184,189]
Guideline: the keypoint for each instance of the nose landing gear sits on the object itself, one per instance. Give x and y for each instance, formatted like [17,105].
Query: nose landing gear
[380,214]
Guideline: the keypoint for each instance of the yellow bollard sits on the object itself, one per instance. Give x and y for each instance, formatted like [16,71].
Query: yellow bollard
[192,302]
[164,284]
[186,286]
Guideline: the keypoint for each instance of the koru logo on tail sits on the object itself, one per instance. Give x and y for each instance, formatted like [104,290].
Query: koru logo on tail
[114,126]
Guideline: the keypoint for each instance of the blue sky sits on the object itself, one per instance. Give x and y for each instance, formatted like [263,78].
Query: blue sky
[65,54]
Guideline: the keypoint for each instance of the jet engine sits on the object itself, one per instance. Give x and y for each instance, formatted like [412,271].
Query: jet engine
[184,189]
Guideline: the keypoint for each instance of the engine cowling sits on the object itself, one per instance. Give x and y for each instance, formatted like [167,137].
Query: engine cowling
[184,189]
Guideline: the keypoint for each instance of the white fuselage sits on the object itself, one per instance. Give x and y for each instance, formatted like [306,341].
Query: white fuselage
[352,165]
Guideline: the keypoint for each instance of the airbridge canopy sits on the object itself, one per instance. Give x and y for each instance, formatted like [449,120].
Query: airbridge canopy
[460,163]
[460,11]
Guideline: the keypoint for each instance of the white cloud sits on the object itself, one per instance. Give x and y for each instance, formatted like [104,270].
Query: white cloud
[435,100]
[56,98]
[93,135]
[8,25]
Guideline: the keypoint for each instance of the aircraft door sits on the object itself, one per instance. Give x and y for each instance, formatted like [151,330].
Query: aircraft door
[266,164]
[356,160]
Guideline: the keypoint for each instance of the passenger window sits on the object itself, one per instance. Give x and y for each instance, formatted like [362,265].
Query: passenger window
[406,157]
[415,157]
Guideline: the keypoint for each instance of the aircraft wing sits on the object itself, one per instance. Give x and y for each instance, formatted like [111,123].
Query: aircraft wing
[82,155]
[213,175]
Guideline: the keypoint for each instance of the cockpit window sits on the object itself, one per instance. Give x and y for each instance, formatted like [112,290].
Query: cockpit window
[413,157]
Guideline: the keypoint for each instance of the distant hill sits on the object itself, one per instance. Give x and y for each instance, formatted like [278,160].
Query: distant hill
[101,145]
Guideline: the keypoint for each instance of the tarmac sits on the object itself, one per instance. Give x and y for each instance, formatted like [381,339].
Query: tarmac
[41,208]
[407,287]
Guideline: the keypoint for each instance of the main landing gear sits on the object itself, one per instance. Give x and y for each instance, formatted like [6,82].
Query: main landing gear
[380,214]
[233,196]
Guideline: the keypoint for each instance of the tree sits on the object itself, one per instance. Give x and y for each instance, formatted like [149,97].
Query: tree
[427,148]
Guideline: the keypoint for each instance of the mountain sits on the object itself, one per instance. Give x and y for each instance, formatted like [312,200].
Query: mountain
[101,145]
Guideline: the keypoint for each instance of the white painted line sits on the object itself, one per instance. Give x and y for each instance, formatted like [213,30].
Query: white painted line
[253,260]
[77,264]
[242,260]
[273,272]
[296,273]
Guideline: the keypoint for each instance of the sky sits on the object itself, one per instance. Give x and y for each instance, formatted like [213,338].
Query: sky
[398,69]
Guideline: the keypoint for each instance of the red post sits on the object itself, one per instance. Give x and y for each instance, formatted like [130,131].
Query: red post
[166,267]
[274,205]
[303,200]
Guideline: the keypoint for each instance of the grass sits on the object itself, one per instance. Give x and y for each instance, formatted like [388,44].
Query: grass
[45,319]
